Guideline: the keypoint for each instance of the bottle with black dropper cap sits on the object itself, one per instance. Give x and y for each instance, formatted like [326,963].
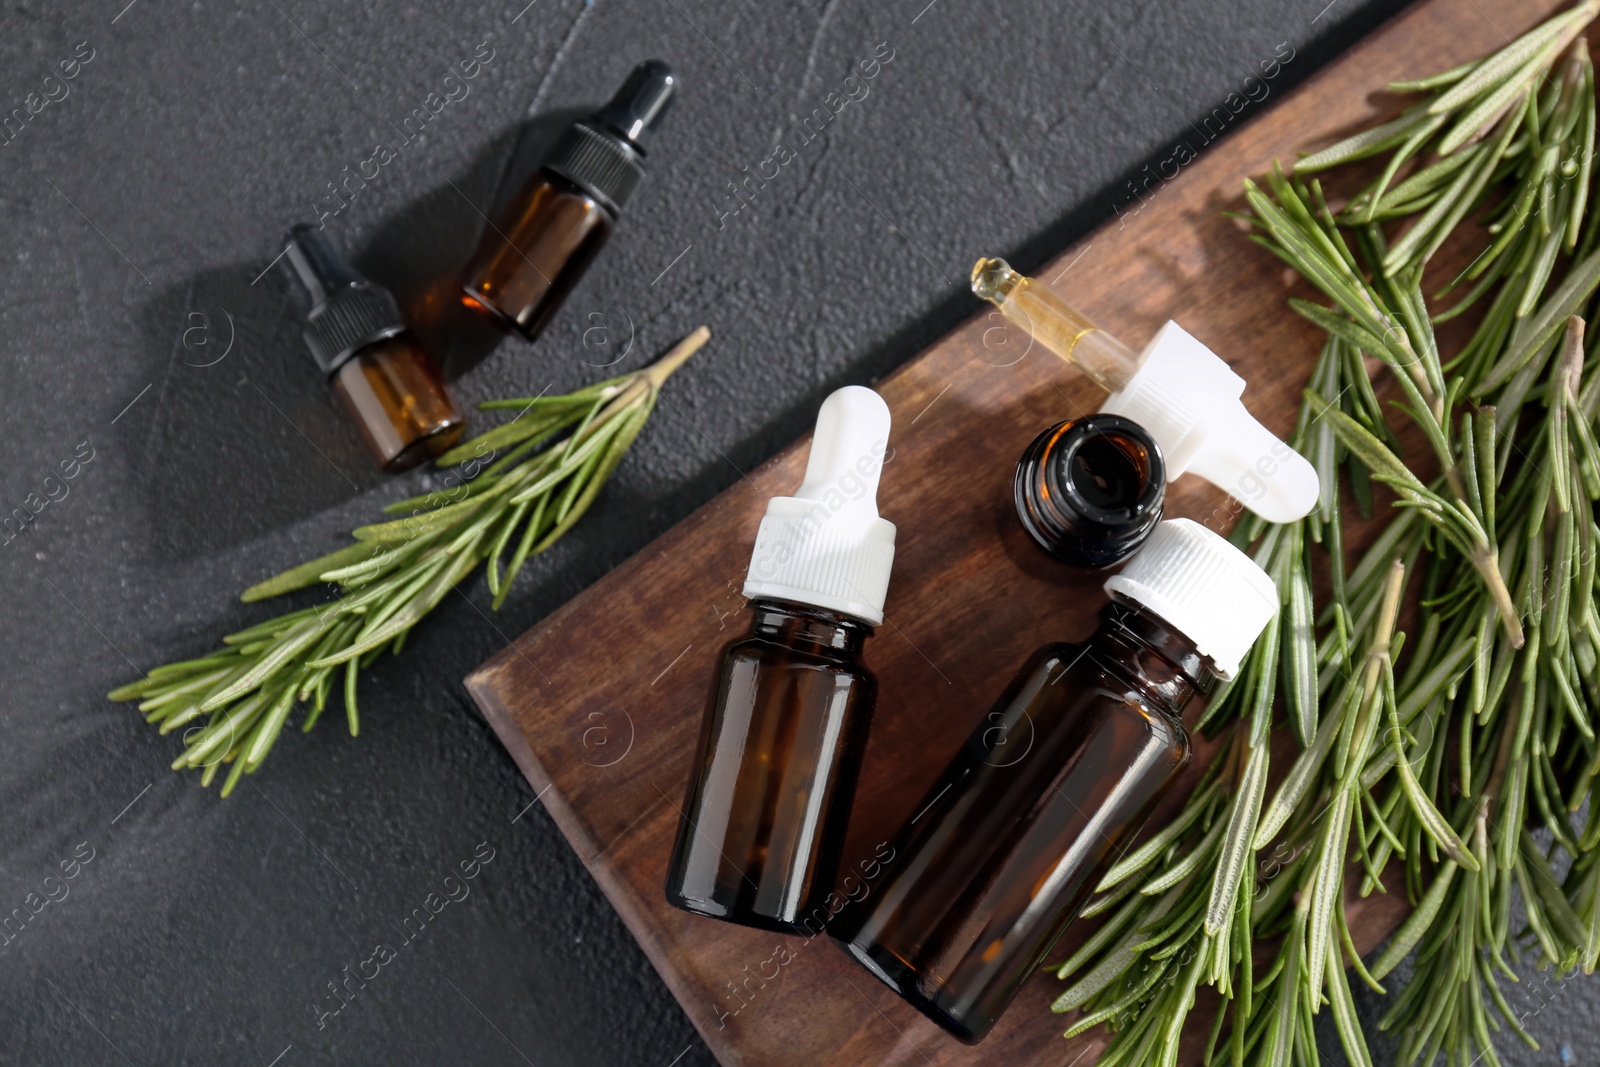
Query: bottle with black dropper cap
[529,259]
[386,381]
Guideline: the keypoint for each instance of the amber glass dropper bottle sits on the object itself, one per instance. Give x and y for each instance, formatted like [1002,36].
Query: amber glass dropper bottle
[764,821]
[387,383]
[1054,784]
[529,259]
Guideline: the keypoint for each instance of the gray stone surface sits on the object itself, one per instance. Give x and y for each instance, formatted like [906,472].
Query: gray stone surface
[141,214]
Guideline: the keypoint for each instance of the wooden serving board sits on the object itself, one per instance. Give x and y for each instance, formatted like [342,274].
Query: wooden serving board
[605,729]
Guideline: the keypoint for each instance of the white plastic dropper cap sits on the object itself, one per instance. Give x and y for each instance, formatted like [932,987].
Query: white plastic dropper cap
[1203,587]
[1188,399]
[826,546]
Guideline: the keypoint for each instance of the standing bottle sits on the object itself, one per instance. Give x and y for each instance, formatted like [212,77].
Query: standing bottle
[1055,783]
[529,259]
[781,744]
[387,383]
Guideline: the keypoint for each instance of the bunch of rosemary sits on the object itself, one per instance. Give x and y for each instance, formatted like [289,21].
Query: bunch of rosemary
[1436,764]
[554,456]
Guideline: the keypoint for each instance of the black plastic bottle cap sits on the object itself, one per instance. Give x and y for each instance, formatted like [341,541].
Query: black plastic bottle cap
[604,154]
[639,106]
[348,312]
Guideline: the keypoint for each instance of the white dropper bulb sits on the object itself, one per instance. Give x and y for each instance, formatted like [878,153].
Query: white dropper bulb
[826,546]
[1189,401]
[851,424]
[1255,467]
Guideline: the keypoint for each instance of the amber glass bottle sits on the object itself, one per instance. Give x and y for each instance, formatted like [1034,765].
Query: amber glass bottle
[1054,784]
[388,385]
[395,395]
[764,818]
[793,694]
[529,259]
[1090,490]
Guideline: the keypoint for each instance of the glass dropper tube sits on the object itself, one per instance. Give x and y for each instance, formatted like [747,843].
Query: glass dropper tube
[1054,323]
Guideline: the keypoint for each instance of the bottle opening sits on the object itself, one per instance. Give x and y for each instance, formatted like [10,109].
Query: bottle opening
[1090,490]
[1110,471]
[1107,470]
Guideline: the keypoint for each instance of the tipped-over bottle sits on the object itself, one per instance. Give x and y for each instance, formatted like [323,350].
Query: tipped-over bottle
[530,259]
[1054,784]
[389,385]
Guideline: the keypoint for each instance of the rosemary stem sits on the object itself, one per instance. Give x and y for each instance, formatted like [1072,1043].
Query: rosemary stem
[662,369]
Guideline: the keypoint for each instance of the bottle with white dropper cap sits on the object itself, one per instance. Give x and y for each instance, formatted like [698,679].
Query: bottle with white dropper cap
[1177,389]
[763,823]
[1053,785]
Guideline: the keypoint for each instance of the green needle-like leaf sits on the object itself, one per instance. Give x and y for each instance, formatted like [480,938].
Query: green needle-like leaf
[1236,841]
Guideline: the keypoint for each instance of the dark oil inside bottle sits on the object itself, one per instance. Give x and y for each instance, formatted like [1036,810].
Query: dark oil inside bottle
[1108,471]
[394,393]
[384,378]
[780,751]
[1010,842]
[534,253]
[1089,491]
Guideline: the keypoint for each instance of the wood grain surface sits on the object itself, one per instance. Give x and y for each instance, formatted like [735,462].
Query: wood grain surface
[601,703]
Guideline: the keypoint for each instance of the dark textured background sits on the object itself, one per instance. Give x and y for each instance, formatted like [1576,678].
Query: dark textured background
[138,214]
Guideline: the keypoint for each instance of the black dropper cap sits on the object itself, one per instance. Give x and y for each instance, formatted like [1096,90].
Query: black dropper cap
[640,104]
[604,154]
[348,312]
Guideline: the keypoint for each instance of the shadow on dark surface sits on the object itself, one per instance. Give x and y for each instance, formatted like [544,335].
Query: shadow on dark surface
[1034,253]
[248,438]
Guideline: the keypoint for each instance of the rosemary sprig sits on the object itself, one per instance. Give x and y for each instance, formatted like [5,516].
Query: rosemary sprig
[1437,762]
[553,457]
